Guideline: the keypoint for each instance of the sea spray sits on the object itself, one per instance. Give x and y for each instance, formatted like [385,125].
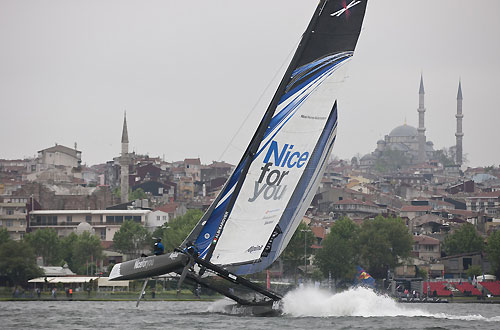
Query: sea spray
[220,306]
[361,302]
[353,302]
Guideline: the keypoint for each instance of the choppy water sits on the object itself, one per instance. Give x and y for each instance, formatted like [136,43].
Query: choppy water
[304,309]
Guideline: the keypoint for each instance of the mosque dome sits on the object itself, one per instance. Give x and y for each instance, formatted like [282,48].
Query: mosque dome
[84,226]
[368,157]
[404,130]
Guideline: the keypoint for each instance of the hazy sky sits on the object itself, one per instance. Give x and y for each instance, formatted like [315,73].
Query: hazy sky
[189,72]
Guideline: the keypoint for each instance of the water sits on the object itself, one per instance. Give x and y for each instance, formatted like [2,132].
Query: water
[304,309]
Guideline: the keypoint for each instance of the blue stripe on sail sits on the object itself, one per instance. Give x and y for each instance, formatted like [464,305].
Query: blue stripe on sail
[307,66]
[316,67]
[203,240]
[313,75]
[293,105]
[300,98]
[298,195]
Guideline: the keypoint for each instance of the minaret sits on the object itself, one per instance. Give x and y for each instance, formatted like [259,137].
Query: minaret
[421,127]
[124,162]
[459,134]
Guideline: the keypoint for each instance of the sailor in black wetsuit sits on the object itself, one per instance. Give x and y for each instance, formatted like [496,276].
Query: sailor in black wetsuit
[158,249]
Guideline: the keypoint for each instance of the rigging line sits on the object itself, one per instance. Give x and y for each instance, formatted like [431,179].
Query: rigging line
[285,61]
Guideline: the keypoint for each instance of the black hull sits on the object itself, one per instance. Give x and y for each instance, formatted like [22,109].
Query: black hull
[149,266]
[262,309]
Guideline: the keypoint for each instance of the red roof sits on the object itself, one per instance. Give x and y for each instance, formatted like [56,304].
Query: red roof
[487,194]
[415,208]
[464,213]
[425,240]
[318,231]
[354,201]
[106,244]
[168,208]
[192,161]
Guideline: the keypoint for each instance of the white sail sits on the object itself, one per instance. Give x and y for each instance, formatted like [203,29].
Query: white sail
[275,172]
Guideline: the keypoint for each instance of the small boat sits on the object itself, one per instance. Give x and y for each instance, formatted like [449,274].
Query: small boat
[253,218]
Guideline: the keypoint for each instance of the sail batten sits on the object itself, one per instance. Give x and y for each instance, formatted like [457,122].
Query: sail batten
[253,217]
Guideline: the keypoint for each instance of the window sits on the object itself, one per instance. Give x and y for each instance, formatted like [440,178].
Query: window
[110,219]
[10,223]
[52,220]
[22,223]
[103,234]
[158,217]
[88,218]
[69,218]
[466,263]
[164,218]
[137,218]
[10,212]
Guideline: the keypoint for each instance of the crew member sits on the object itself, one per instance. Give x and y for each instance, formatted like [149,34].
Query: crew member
[158,249]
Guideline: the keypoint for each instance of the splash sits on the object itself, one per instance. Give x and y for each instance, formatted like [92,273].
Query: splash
[220,306]
[360,302]
[353,302]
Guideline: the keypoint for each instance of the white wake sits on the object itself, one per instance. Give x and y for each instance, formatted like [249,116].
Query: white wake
[359,301]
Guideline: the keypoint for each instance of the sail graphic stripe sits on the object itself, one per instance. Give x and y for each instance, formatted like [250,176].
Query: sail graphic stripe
[309,180]
[205,237]
[290,110]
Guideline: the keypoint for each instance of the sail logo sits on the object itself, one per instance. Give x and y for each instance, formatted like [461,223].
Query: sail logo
[345,9]
[254,248]
[269,184]
[144,263]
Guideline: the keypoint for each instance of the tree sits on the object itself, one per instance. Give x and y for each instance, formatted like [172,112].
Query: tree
[17,262]
[4,236]
[473,271]
[137,194]
[294,254]
[391,160]
[131,238]
[382,243]
[176,230]
[46,244]
[445,156]
[87,249]
[465,239]
[67,248]
[339,252]
[493,250]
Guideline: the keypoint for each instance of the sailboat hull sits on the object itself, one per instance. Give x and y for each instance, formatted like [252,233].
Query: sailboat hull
[145,267]
[263,309]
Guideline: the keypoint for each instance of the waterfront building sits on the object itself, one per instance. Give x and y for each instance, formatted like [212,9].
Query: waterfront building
[103,223]
[13,212]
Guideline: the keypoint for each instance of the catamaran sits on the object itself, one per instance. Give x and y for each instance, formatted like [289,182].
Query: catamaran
[253,218]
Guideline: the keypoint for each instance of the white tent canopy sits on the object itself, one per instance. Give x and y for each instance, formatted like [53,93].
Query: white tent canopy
[63,279]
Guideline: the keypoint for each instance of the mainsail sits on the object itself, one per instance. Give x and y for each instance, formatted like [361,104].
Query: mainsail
[255,215]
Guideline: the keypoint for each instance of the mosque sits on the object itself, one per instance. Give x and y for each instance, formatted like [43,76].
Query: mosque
[411,142]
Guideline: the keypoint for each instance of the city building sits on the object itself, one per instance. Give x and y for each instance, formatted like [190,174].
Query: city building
[103,223]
